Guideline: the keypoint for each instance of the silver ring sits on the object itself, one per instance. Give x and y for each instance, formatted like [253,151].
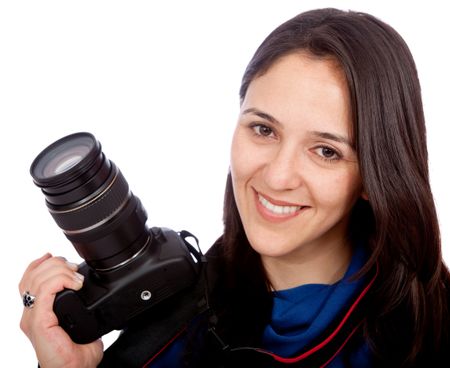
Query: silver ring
[28,299]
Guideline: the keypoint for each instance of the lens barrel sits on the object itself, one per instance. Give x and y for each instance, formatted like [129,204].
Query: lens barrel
[90,200]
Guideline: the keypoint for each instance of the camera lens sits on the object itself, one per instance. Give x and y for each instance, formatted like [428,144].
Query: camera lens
[90,201]
[64,157]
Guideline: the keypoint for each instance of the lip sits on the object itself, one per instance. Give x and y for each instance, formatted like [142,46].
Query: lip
[276,217]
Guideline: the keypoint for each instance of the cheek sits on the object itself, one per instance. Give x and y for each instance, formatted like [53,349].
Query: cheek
[340,190]
[236,159]
[238,168]
[239,177]
[243,157]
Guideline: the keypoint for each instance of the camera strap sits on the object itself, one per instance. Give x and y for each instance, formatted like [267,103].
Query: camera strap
[195,251]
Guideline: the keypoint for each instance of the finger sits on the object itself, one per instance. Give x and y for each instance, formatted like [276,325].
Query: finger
[49,267]
[95,350]
[51,263]
[38,261]
[32,266]
[46,291]
[40,275]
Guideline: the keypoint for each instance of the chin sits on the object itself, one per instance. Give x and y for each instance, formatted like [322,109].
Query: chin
[264,246]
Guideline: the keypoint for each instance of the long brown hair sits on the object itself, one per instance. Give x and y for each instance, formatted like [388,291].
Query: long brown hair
[399,222]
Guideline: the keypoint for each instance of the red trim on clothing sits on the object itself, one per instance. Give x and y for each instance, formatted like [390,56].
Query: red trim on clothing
[342,346]
[165,346]
[331,336]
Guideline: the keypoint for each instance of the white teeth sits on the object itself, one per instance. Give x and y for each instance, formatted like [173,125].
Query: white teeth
[278,210]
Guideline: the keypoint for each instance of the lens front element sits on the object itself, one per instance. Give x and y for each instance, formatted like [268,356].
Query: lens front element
[90,200]
[62,156]
[64,162]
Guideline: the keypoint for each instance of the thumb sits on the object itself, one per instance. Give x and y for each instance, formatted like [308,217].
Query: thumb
[94,350]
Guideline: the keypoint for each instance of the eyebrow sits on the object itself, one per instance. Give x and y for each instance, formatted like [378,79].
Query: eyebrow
[334,137]
[325,135]
[261,114]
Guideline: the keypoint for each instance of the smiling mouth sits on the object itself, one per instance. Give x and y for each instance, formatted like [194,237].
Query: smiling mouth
[278,210]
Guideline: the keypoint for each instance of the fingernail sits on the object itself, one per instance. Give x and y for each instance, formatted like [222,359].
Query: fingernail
[73,266]
[46,255]
[79,277]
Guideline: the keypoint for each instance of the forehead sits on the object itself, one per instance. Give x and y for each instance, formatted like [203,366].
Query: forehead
[300,88]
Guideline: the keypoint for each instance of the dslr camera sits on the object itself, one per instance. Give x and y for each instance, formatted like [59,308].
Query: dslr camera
[128,267]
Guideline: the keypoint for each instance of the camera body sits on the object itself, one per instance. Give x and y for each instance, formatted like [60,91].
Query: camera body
[109,299]
[128,267]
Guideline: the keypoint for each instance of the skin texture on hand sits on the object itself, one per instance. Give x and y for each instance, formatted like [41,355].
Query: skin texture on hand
[44,278]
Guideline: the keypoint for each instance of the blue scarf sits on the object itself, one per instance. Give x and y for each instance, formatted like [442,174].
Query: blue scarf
[301,314]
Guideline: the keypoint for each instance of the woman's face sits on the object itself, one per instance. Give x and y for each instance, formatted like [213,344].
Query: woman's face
[295,173]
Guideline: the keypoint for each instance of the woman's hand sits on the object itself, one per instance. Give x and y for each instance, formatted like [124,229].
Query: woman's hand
[43,278]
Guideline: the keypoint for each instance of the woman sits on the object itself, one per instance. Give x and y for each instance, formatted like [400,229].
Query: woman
[331,252]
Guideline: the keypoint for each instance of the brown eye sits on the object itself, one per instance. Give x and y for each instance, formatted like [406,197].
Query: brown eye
[328,152]
[262,130]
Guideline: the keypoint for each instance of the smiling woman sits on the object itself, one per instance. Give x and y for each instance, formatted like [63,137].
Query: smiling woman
[300,170]
[336,138]
[330,255]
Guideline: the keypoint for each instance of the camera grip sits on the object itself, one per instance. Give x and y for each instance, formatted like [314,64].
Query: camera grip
[73,316]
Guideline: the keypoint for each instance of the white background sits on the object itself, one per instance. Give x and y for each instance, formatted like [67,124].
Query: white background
[157,83]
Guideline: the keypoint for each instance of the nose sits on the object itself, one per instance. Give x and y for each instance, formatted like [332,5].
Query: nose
[284,170]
